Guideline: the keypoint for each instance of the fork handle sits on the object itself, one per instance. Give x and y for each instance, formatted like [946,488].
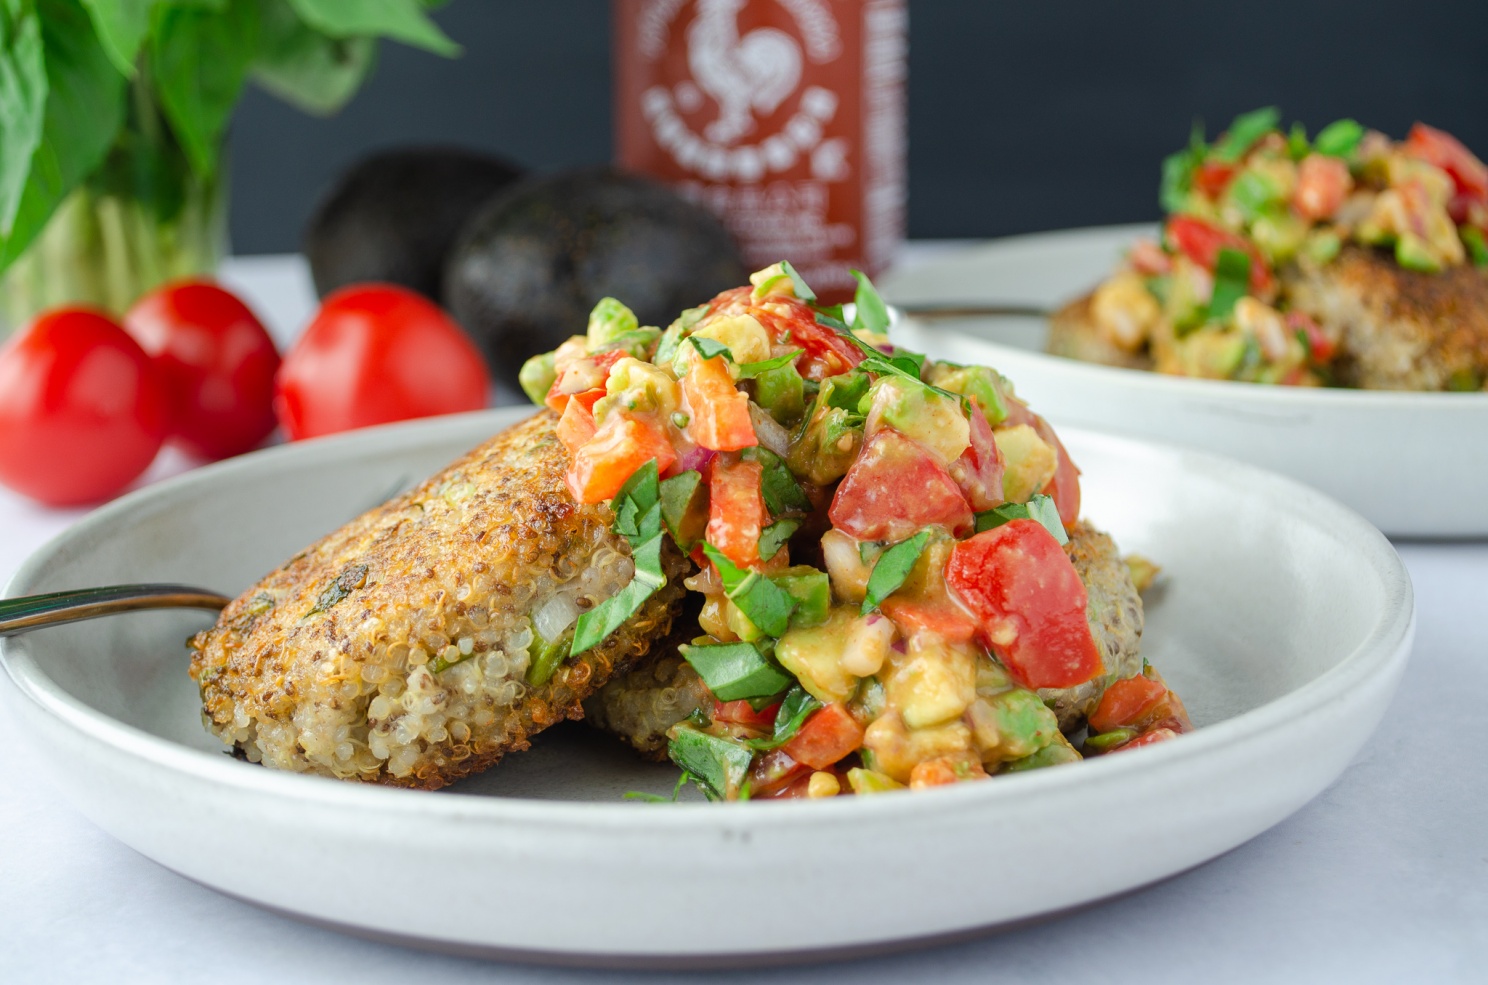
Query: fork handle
[21,615]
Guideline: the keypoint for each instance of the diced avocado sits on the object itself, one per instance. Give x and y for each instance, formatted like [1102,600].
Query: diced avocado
[1055,753]
[745,337]
[812,591]
[537,376]
[1024,723]
[826,445]
[740,625]
[1029,462]
[1253,193]
[871,781]
[814,655]
[1279,234]
[782,392]
[638,386]
[1414,253]
[981,382]
[916,411]
[608,321]
[638,343]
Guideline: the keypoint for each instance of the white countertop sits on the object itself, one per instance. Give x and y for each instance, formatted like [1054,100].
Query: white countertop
[1383,878]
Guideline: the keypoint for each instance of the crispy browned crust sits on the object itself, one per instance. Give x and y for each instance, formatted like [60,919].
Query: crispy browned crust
[1074,335]
[496,517]
[1401,329]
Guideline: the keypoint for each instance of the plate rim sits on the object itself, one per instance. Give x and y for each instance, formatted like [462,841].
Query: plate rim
[1384,649]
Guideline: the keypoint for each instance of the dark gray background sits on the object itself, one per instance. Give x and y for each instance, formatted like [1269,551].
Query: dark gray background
[1022,116]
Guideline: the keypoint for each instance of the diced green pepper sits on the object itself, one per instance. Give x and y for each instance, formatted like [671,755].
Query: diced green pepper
[548,658]
[781,392]
[1105,741]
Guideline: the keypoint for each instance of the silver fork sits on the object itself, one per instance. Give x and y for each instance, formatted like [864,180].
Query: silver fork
[21,615]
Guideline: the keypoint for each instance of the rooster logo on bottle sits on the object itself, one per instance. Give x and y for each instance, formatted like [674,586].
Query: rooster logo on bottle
[746,74]
[753,75]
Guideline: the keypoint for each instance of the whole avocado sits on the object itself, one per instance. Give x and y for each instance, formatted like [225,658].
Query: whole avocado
[394,216]
[534,261]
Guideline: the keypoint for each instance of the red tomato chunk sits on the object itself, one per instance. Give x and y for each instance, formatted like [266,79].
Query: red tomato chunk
[895,488]
[736,510]
[827,736]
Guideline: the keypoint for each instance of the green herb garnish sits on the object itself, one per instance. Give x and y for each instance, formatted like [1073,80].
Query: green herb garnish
[736,671]
[798,283]
[1477,248]
[812,590]
[637,508]
[1244,132]
[870,313]
[748,371]
[1178,170]
[773,537]
[1339,138]
[763,603]
[719,766]
[794,710]
[708,348]
[1297,146]
[778,486]
[682,510]
[1231,282]
[1040,508]
[892,568]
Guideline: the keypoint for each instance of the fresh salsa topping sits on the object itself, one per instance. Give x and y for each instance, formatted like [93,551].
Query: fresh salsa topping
[879,540]
[1204,300]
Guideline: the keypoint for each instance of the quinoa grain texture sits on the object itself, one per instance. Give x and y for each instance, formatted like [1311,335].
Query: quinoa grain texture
[396,650]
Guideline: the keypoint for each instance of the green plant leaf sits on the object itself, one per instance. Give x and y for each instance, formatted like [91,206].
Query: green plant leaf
[794,710]
[1231,282]
[763,602]
[892,568]
[1246,129]
[305,68]
[869,311]
[773,537]
[84,110]
[735,671]
[200,60]
[122,26]
[1039,507]
[401,20]
[23,101]
[595,626]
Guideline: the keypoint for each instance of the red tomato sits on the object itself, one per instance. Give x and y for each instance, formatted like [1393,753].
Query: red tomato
[1148,739]
[742,713]
[1213,177]
[576,426]
[895,488]
[792,322]
[718,412]
[773,774]
[583,376]
[376,353]
[1201,243]
[217,363]
[1064,488]
[828,735]
[1147,258]
[1030,602]
[1320,346]
[1323,183]
[625,443]
[82,409]
[1447,152]
[978,472]
[736,510]
[940,615]
[1126,702]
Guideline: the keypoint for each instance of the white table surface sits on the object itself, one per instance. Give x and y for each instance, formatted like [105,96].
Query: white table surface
[1383,878]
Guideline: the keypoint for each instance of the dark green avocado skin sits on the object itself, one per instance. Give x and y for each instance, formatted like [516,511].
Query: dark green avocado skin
[534,261]
[394,216]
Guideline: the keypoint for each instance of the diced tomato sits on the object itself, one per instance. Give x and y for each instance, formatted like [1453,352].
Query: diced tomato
[582,376]
[942,616]
[1201,242]
[1064,488]
[736,510]
[792,322]
[1148,259]
[895,488]
[978,472]
[1148,739]
[945,770]
[718,411]
[1213,177]
[828,735]
[1323,183]
[774,772]
[1447,152]
[1125,703]
[742,713]
[1320,346]
[1029,601]
[575,427]
[624,444]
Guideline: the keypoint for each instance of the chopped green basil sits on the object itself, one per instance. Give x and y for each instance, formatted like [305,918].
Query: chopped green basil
[708,348]
[892,568]
[845,391]
[599,622]
[811,589]
[763,602]
[1477,248]
[905,367]
[798,283]
[782,392]
[831,318]
[1253,193]
[773,537]
[1040,508]
[720,766]
[1339,138]
[870,313]
[1297,146]
[794,710]
[748,371]
[1178,171]
[634,503]
[1231,282]
[778,485]
[1244,132]
[666,349]
[683,509]
[736,671]
[352,577]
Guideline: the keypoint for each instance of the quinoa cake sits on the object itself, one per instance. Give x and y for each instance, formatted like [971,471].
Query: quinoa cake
[401,649]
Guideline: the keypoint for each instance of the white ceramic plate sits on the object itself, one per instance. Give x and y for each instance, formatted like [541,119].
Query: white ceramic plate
[1415,464]
[1284,621]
